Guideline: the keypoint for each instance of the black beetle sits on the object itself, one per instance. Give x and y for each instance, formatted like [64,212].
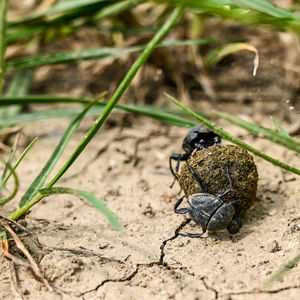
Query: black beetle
[210,211]
[198,137]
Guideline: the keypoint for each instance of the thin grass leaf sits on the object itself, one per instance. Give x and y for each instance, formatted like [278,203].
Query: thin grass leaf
[224,134]
[59,8]
[19,160]
[257,130]
[20,34]
[280,273]
[160,113]
[96,202]
[164,114]
[115,9]
[100,205]
[266,7]
[47,114]
[21,83]
[43,175]
[3,9]
[3,236]
[245,11]
[16,184]
[9,162]
[18,87]
[281,130]
[120,91]
[216,55]
[93,54]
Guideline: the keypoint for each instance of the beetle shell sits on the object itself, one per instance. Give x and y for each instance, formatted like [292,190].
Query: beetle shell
[210,165]
[199,137]
[210,212]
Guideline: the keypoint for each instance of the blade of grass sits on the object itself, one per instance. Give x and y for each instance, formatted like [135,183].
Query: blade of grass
[3,9]
[9,161]
[43,175]
[96,202]
[177,12]
[281,130]
[257,130]
[19,160]
[266,7]
[59,8]
[46,115]
[83,16]
[224,134]
[164,114]
[18,87]
[116,8]
[16,185]
[246,11]
[89,54]
[216,55]
[279,274]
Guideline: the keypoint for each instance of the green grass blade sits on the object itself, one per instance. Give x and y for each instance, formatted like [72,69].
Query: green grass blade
[120,91]
[116,8]
[59,8]
[216,55]
[43,175]
[3,9]
[93,54]
[266,7]
[46,114]
[71,16]
[279,274]
[16,185]
[19,160]
[225,135]
[18,87]
[263,132]
[281,130]
[3,237]
[162,114]
[21,83]
[9,162]
[68,57]
[96,202]
[246,11]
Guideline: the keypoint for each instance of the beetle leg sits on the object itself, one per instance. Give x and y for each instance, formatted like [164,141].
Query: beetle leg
[235,225]
[180,210]
[229,180]
[195,176]
[178,158]
[192,235]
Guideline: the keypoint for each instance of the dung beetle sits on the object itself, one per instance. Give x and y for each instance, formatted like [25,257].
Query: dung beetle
[198,137]
[210,211]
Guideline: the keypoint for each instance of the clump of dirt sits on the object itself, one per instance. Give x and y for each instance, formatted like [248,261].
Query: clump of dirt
[211,163]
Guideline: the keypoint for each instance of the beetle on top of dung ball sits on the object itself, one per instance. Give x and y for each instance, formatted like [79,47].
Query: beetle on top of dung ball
[219,182]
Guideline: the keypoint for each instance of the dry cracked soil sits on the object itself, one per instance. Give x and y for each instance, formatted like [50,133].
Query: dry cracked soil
[84,258]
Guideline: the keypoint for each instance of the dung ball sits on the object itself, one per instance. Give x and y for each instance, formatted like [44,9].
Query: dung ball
[210,165]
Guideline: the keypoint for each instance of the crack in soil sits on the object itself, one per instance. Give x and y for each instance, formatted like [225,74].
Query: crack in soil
[164,243]
[160,262]
[210,288]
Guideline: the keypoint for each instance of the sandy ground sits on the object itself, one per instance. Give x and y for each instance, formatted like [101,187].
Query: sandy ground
[84,258]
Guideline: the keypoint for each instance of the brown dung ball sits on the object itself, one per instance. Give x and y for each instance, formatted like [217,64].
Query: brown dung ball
[210,165]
